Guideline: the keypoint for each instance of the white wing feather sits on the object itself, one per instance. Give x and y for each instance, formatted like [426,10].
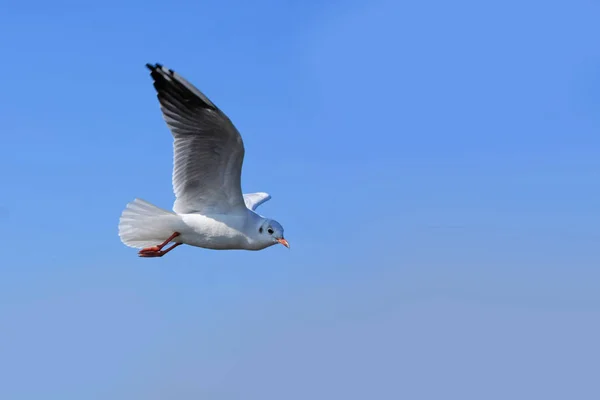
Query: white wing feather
[208,149]
[253,200]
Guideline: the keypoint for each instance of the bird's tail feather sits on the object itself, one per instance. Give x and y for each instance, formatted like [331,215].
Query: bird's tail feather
[143,224]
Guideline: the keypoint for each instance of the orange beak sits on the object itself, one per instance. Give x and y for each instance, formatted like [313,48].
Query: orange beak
[284,242]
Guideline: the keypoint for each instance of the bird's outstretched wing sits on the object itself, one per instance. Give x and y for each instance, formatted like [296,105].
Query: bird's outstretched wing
[208,151]
[253,200]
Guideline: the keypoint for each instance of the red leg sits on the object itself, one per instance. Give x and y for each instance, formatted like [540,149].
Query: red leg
[157,251]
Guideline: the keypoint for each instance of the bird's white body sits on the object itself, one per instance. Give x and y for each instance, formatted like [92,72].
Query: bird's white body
[144,225]
[215,231]
[221,232]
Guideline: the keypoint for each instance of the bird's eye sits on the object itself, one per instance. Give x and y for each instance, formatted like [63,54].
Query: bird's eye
[270,231]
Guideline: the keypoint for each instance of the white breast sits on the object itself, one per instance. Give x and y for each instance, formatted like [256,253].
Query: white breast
[214,232]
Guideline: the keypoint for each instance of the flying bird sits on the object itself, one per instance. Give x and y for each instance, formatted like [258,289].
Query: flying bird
[210,210]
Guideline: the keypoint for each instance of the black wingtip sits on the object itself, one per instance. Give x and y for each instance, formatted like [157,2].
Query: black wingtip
[153,67]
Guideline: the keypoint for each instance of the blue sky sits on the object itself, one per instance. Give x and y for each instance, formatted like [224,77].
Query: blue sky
[435,166]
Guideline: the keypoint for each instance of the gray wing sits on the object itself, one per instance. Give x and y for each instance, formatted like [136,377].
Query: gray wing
[253,200]
[208,149]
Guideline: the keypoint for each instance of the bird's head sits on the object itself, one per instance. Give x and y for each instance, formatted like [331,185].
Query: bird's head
[271,231]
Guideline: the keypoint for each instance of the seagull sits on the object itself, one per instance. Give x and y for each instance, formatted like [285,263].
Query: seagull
[210,210]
